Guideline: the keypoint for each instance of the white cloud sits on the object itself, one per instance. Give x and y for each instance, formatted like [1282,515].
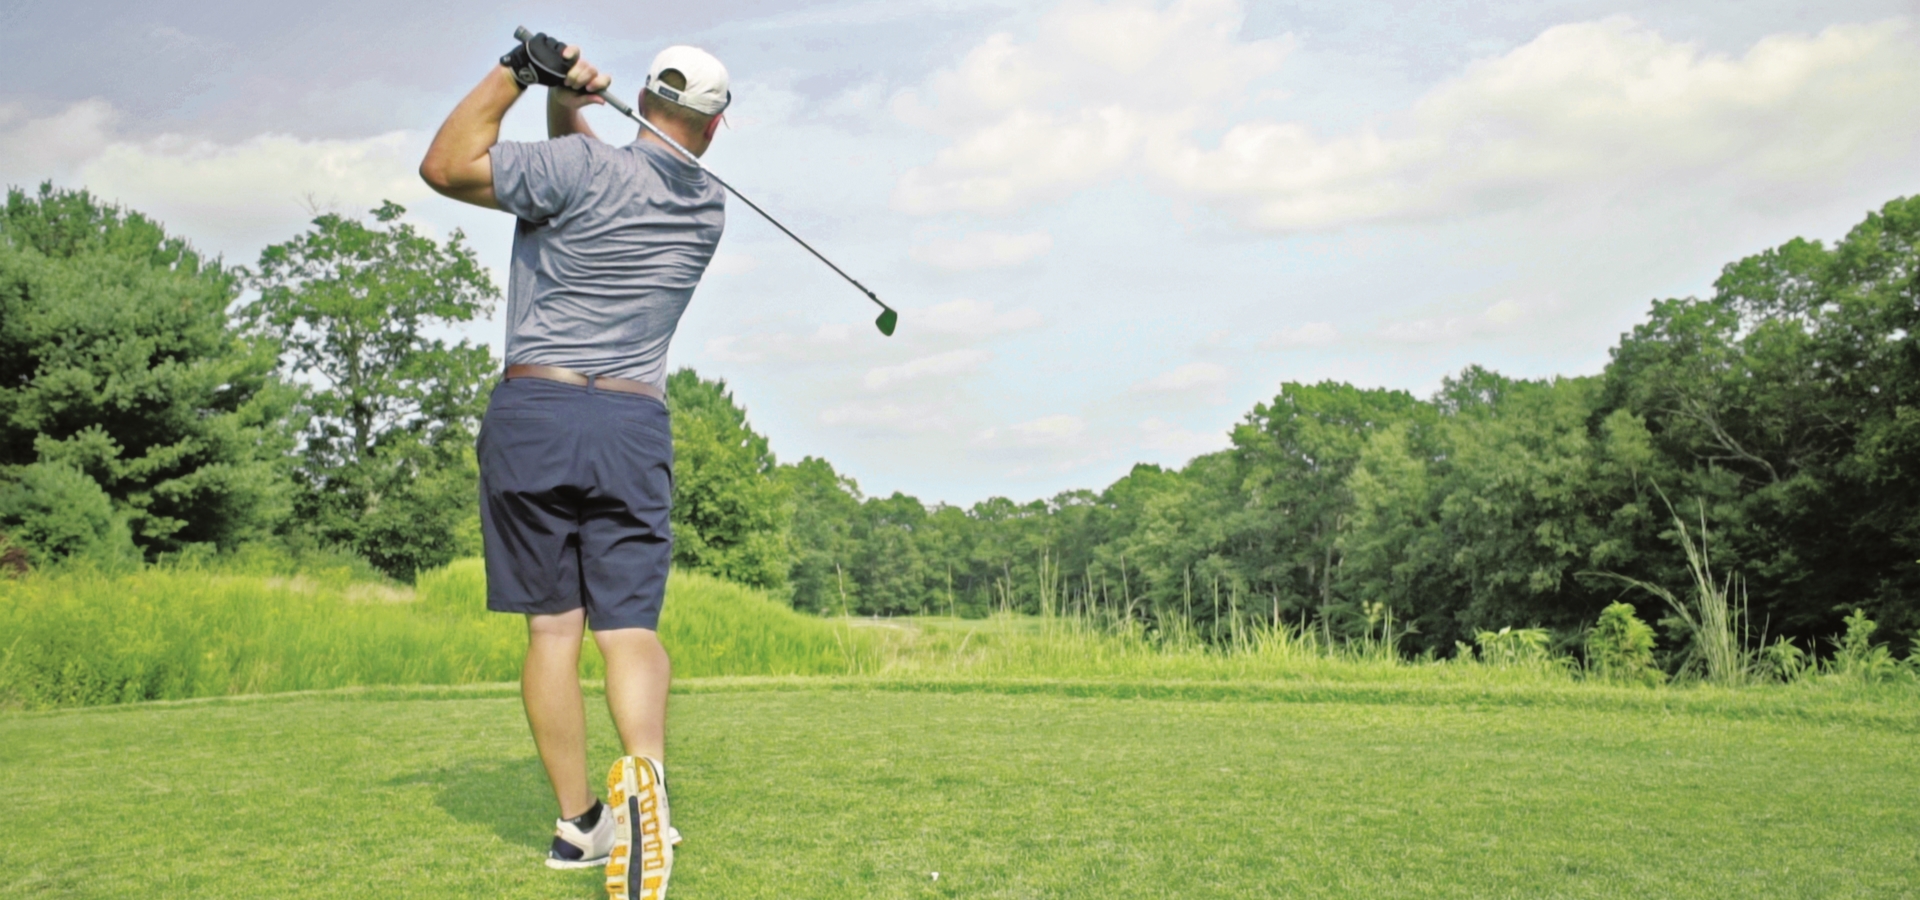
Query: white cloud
[859,102]
[1311,334]
[1073,107]
[968,319]
[1500,317]
[245,193]
[1602,106]
[984,250]
[890,418]
[1088,55]
[939,365]
[1054,443]
[1174,442]
[33,150]
[1049,429]
[1044,432]
[1027,156]
[259,184]
[760,105]
[1607,103]
[950,328]
[1192,377]
[826,343]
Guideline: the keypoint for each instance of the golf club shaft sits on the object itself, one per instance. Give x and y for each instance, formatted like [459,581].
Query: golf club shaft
[629,113]
[521,34]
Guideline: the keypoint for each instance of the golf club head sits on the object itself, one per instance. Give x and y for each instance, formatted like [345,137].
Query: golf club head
[886,322]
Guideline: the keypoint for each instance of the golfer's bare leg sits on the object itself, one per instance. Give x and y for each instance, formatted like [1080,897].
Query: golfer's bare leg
[550,687]
[638,673]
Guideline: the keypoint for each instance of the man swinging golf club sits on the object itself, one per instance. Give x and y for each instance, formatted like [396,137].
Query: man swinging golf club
[576,453]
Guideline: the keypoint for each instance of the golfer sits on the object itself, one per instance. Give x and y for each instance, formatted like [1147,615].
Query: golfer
[576,455]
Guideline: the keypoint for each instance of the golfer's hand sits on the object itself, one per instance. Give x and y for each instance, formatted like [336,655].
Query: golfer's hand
[583,82]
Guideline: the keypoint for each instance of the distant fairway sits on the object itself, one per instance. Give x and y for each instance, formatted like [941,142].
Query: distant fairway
[830,788]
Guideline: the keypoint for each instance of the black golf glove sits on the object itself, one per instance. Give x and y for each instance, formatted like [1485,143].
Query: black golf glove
[538,61]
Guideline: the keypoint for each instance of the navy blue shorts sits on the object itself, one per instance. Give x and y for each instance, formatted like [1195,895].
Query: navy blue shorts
[576,487]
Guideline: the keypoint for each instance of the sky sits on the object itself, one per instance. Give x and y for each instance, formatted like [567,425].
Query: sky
[1111,228]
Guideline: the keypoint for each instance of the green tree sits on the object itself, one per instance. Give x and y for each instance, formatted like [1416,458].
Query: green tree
[731,514]
[117,360]
[1497,511]
[390,412]
[1789,402]
[1295,455]
[826,508]
[1393,554]
[894,574]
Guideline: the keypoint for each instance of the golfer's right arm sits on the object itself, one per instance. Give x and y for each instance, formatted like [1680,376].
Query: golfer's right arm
[459,162]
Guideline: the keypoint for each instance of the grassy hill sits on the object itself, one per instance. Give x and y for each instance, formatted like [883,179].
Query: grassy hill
[79,638]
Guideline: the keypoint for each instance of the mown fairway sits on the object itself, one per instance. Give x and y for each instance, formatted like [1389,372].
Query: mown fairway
[840,791]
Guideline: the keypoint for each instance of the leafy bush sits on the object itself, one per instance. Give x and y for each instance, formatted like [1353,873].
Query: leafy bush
[1786,662]
[425,518]
[1857,658]
[1620,647]
[54,511]
[1514,647]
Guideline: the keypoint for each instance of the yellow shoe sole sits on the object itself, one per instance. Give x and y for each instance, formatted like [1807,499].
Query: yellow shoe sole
[642,857]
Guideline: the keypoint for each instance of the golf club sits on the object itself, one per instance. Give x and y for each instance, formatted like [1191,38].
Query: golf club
[888,318]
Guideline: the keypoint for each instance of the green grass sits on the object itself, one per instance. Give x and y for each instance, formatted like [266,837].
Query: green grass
[850,758]
[79,638]
[1013,646]
[83,638]
[831,788]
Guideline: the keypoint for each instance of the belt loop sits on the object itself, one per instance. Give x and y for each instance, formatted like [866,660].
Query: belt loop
[591,380]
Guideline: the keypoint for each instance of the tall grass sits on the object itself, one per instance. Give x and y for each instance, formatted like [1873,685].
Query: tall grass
[1079,645]
[81,638]
[1722,650]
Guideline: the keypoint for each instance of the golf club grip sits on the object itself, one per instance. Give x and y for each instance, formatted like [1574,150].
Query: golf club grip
[617,104]
[522,35]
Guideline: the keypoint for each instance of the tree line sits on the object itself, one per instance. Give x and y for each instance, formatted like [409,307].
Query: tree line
[1778,419]
[156,402]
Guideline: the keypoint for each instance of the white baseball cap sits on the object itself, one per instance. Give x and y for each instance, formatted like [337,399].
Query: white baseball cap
[707,89]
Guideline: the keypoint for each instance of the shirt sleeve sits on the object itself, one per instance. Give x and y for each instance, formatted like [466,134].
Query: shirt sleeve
[537,180]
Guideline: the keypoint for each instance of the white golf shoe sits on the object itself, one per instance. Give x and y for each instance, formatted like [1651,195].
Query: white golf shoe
[574,848]
[642,857]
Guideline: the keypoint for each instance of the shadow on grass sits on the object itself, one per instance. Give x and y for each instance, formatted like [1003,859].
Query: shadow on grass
[511,798]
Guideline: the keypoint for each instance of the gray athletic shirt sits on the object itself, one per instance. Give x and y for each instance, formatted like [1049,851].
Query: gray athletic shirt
[610,244]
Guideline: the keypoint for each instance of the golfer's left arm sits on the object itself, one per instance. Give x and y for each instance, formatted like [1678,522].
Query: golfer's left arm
[459,162]
[563,112]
